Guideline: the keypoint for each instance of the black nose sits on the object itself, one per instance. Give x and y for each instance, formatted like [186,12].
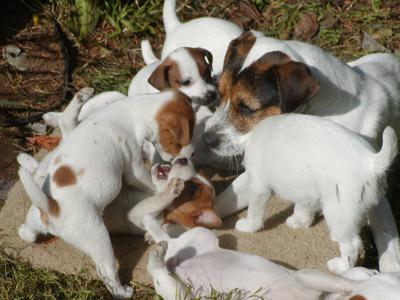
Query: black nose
[211,139]
[211,96]
[182,161]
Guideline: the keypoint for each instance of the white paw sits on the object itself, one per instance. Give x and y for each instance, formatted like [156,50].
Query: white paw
[26,234]
[246,225]
[159,250]
[175,186]
[84,94]
[299,221]
[148,238]
[338,265]
[389,261]
[122,292]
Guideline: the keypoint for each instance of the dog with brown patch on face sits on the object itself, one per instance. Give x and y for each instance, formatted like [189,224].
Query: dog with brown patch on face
[86,171]
[263,77]
[186,69]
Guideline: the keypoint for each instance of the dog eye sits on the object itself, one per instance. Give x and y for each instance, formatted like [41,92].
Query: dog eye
[244,109]
[185,82]
[192,188]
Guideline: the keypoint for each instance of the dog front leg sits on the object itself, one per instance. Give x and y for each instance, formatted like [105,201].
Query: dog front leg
[386,236]
[233,198]
[166,284]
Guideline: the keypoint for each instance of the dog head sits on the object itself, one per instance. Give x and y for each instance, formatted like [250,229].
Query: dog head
[194,206]
[271,85]
[174,120]
[189,70]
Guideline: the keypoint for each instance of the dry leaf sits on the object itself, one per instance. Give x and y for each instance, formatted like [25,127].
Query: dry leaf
[307,27]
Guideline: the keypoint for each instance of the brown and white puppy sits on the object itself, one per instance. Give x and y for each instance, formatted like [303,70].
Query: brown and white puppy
[86,171]
[185,69]
[264,76]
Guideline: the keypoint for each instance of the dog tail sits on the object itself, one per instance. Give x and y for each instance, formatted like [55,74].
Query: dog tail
[325,282]
[388,152]
[38,198]
[147,52]
[169,16]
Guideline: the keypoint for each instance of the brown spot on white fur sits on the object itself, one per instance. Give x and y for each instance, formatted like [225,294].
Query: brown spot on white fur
[358,297]
[175,121]
[271,85]
[64,176]
[195,202]
[234,59]
[44,217]
[166,75]
[53,207]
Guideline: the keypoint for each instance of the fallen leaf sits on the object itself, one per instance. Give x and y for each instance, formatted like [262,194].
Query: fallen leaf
[245,15]
[328,22]
[44,141]
[307,27]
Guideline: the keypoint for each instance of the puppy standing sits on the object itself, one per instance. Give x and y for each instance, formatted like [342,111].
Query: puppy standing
[85,173]
[292,76]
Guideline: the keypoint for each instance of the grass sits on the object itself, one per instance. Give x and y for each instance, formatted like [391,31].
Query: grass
[109,57]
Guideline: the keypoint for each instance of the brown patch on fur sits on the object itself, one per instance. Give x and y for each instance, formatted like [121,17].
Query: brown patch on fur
[64,176]
[199,55]
[53,207]
[57,160]
[233,61]
[194,199]
[358,297]
[176,121]
[166,75]
[44,217]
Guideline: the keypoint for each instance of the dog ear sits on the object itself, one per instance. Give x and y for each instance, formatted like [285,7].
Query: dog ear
[182,131]
[296,85]
[159,78]
[233,61]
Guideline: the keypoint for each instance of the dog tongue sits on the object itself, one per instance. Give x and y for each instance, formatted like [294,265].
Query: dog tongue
[162,171]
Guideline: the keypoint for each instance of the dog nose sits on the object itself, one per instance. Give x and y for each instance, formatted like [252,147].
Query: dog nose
[211,96]
[211,139]
[182,161]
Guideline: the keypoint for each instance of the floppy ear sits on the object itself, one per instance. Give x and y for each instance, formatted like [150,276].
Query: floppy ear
[181,132]
[296,85]
[159,78]
[208,218]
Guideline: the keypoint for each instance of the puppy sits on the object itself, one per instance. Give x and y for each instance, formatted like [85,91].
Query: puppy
[263,77]
[209,33]
[85,172]
[186,69]
[320,166]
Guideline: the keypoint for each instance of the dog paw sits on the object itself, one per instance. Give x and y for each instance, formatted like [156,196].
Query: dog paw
[299,221]
[246,225]
[122,292]
[338,265]
[84,94]
[389,261]
[26,234]
[148,238]
[159,250]
[175,186]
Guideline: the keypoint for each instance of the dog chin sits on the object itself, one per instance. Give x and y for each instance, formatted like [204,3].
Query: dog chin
[227,149]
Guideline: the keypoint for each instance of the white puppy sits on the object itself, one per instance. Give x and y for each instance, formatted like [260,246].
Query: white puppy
[320,166]
[209,33]
[85,172]
[264,76]
[186,69]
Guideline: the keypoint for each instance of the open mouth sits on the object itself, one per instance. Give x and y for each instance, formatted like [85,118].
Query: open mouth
[163,171]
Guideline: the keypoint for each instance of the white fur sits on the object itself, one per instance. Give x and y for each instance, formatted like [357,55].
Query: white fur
[320,166]
[362,96]
[209,33]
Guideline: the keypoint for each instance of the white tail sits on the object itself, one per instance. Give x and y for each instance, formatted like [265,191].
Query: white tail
[147,52]
[388,152]
[169,16]
[38,198]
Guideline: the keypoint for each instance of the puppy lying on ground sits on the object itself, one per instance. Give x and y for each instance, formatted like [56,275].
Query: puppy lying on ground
[85,172]
[263,77]
[209,33]
[320,166]
[193,264]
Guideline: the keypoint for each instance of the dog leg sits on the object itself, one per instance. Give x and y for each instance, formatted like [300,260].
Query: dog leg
[386,236]
[28,162]
[348,255]
[69,118]
[302,217]
[233,198]
[154,229]
[166,285]
[255,213]
[89,234]
[33,226]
